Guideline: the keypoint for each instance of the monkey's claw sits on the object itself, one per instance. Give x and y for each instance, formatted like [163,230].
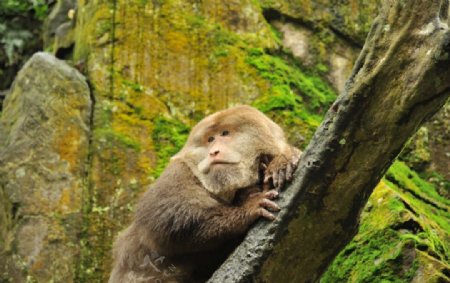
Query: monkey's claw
[266,205]
[280,170]
[261,205]
[266,214]
[270,205]
[272,194]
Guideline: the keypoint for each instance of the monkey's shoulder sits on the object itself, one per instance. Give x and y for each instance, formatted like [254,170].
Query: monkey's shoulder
[174,204]
[177,186]
[177,175]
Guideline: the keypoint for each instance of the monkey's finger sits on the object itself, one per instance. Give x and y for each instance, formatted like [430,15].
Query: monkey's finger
[269,205]
[266,214]
[295,159]
[275,179]
[265,160]
[289,171]
[266,187]
[272,194]
[281,178]
[253,195]
[267,178]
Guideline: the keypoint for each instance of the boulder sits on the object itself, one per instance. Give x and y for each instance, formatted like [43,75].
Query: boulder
[44,142]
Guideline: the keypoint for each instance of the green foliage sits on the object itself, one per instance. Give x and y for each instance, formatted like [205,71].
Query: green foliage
[15,35]
[18,7]
[13,42]
[169,136]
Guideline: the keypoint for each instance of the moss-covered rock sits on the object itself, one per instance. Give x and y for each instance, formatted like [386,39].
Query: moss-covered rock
[350,18]
[428,152]
[44,141]
[403,237]
[58,28]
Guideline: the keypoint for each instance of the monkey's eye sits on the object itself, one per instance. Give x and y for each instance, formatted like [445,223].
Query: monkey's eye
[210,139]
[225,133]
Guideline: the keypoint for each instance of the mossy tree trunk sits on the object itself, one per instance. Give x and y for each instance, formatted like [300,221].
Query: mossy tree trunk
[401,78]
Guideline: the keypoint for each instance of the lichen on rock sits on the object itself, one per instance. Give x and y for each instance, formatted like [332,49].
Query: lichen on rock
[44,130]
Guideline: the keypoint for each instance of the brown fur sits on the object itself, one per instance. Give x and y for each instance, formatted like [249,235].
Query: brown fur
[189,220]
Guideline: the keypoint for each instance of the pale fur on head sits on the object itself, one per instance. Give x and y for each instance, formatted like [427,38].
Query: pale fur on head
[223,180]
[253,133]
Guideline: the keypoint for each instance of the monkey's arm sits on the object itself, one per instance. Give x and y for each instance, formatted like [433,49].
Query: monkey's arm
[196,225]
[222,222]
[184,216]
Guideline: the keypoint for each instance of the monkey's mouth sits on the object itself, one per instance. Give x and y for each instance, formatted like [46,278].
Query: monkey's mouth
[216,162]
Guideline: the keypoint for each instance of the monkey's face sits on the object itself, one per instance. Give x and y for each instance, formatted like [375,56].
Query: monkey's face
[224,149]
[231,161]
[225,158]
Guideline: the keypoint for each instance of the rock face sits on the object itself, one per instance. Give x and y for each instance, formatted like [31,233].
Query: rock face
[429,150]
[403,234]
[58,28]
[44,130]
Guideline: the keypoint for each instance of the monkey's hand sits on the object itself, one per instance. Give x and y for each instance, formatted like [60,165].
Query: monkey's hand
[260,204]
[280,170]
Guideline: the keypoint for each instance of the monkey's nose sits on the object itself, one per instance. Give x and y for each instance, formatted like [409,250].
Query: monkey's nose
[214,152]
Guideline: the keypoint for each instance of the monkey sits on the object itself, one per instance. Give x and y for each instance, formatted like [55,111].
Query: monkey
[226,176]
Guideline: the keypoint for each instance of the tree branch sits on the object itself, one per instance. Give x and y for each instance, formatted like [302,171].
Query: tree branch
[401,78]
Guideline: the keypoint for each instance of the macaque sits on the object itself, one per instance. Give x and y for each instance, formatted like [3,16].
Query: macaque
[225,177]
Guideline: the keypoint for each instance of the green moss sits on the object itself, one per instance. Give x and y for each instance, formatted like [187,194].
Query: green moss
[439,182]
[377,258]
[169,136]
[433,210]
[404,218]
[108,135]
[411,182]
[16,7]
[285,77]
[133,85]
[416,152]
[295,99]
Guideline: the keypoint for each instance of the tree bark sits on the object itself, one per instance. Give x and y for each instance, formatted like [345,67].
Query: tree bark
[401,78]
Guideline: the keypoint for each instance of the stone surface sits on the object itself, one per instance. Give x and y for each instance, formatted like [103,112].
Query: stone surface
[44,142]
[348,19]
[59,28]
[335,63]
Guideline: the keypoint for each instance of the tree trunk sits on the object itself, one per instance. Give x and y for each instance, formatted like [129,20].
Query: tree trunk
[401,78]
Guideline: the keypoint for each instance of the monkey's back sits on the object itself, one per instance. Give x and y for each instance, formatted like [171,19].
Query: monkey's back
[161,241]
